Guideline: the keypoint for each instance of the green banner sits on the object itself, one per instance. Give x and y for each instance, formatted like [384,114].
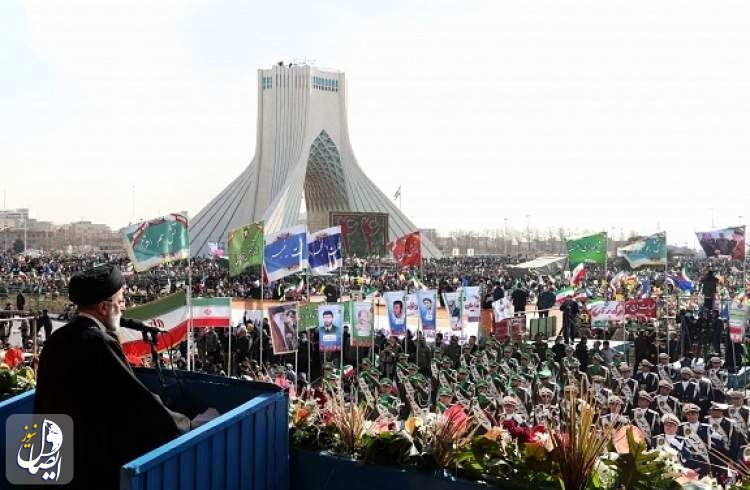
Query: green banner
[362,234]
[651,250]
[154,242]
[307,316]
[245,247]
[590,249]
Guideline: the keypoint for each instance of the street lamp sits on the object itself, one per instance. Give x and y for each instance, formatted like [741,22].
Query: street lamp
[528,231]
[505,236]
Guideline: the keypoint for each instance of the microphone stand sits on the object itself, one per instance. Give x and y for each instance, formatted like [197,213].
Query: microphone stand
[151,341]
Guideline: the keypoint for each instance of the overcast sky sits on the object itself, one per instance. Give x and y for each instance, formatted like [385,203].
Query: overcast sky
[592,115]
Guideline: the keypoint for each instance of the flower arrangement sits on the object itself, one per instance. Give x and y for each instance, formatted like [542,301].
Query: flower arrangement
[14,376]
[578,454]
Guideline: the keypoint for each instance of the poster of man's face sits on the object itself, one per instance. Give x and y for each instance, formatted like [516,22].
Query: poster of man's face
[283,328]
[330,326]
[362,325]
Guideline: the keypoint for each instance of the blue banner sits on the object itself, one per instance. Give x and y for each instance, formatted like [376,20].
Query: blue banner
[394,303]
[285,252]
[324,250]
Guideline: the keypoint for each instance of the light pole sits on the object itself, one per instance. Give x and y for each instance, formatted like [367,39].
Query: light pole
[505,236]
[528,231]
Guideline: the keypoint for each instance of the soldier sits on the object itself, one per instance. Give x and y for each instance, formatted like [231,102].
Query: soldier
[464,387]
[647,381]
[718,378]
[596,368]
[740,413]
[545,381]
[599,392]
[664,403]
[724,437]
[670,438]
[704,392]
[697,437]
[445,400]
[664,369]
[616,417]
[686,390]
[545,412]
[521,393]
[509,412]
[388,405]
[646,419]
[627,388]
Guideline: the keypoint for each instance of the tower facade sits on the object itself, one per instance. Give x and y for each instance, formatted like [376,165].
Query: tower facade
[302,152]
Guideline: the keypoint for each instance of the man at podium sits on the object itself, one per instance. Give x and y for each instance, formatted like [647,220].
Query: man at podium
[83,373]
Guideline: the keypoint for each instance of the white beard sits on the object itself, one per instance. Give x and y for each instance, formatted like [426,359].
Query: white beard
[113,322]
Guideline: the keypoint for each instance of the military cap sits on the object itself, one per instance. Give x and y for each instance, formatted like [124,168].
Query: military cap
[443,391]
[663,355]
[690,407]
[509,400]
[614,399]
[665,383]
[463,370]
[670,417]
[718,406]
[645,395]
[386,381]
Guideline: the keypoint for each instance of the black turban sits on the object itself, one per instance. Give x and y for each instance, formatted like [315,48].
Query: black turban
[94,285]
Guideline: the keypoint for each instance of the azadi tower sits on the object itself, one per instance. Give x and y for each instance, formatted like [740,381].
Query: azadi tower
[302,151]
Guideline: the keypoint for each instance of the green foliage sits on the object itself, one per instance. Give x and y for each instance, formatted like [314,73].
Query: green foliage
[641,470]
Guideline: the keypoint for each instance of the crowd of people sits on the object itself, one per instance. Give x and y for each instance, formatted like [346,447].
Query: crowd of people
[683,387]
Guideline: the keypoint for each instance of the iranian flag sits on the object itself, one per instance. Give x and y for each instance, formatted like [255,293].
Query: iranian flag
[168,313]
[563,293]
[578,274]
[212,312]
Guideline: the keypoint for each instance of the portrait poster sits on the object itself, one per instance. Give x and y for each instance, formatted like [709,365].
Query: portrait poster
[330,326]
[283,323]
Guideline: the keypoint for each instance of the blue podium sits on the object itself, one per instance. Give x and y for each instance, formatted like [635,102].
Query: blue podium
[246,448]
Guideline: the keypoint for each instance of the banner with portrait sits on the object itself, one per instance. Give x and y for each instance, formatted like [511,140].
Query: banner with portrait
[727,242]
[394,304]
[412,309]
[427,301]
[472,304]
[362,324]
[737,320]
[330,326]
[453,305]
[283,323]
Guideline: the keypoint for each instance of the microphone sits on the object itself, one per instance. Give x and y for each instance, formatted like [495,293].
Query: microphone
[140,326]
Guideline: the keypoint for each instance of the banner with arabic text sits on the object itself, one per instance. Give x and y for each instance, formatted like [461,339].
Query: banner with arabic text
[285,252]
[157,241]
[591,249]
[604,312]
[245,247]
[651,250]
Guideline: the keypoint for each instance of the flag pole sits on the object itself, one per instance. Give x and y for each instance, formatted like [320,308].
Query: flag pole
[262,294]
[307,331]
[340,298]
[229,330]
[189,303]
[376,325]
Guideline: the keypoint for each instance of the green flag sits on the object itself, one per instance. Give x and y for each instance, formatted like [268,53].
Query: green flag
[590,249]
[308,316]
[245,247]
[157,241]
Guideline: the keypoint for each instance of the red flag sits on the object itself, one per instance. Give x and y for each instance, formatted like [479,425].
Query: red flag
[407,250]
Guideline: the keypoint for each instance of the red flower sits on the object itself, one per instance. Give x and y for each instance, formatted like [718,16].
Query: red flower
[14,357]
